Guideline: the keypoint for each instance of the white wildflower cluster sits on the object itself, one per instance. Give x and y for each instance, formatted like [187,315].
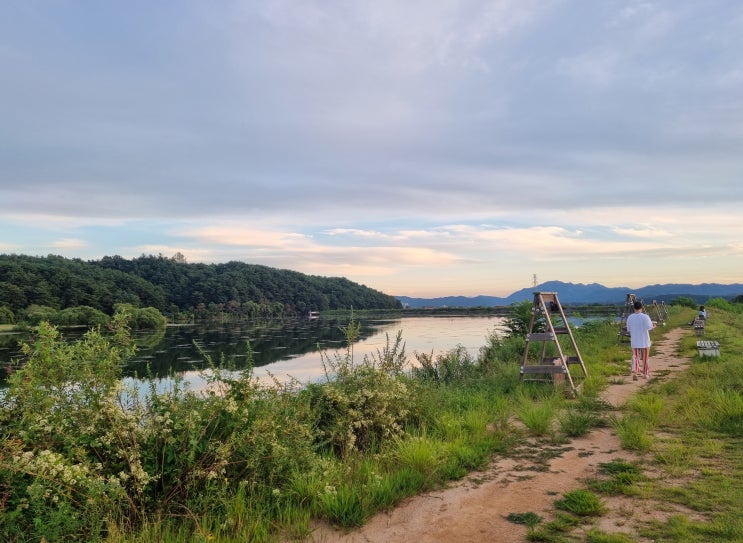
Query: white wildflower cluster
[213,473]
[230,405]
[139,475]
[162,424]
[52,466]
[38,424]
[56,478]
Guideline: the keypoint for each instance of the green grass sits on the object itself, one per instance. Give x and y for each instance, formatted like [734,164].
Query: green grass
[583,503]
[616,477]
[529,518]
[574,423]
[634,433]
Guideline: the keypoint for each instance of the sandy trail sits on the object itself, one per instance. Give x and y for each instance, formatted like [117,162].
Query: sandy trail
[475,508]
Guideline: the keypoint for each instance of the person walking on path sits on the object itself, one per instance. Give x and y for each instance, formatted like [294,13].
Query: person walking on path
[639,326]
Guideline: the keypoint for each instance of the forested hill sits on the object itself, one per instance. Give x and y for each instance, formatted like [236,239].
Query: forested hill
[175,286]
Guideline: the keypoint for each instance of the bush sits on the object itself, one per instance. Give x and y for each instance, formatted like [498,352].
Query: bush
[148,318]
[359,410]
[79,451]
[54,414]
[361,404]
[454,366]
[6,315]
[520,318]
[34,314]
[685,301]
[80,316]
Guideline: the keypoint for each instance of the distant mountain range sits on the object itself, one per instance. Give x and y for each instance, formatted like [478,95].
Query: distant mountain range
[572,293]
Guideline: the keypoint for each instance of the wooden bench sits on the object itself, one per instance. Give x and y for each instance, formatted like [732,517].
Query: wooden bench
[708,348]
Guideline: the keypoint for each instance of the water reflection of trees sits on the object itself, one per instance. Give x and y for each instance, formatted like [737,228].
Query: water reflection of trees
[185,348]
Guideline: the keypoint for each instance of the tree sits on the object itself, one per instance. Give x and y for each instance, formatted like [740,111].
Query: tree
[685,301]
[6,315]
[37,313]
[148,318]
[80,315]
[520,317]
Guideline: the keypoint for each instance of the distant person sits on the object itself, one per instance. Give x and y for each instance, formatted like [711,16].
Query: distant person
[702,313]
[639,326]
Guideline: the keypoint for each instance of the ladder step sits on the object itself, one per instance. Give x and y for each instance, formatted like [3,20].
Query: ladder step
[554,360]
[543,369]
[561,330]
[540,336]
[573,360]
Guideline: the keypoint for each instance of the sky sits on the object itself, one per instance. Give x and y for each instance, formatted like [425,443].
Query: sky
[422,148]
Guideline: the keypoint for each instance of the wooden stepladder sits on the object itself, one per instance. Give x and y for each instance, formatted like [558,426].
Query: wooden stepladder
[548,322]
[629,308]
[661,312]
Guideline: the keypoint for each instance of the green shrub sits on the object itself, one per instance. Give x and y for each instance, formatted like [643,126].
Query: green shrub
[80,316]
[499,351]
[359,409]
[6,315]
[685,301]
[520,317]
[80,450]
[54,416]
[453,366]
[35,314]
[361,404]
[147,318]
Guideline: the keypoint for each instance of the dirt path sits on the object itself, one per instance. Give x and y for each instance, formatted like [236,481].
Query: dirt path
[475,509]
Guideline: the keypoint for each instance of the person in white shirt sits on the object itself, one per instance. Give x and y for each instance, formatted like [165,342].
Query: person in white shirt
[639,326]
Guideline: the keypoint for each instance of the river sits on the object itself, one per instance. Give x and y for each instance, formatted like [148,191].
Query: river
[288,349]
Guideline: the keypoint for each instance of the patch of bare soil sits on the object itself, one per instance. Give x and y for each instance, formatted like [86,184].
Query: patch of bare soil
[475,508]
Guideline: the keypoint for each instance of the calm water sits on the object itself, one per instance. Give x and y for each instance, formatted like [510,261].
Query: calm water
[289,349]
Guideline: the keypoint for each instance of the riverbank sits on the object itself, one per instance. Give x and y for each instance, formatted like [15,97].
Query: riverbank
[476,508]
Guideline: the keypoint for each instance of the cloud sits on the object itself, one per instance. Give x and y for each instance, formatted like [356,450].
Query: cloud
[639,232]
[244,234]
[423,143]
[69,244]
